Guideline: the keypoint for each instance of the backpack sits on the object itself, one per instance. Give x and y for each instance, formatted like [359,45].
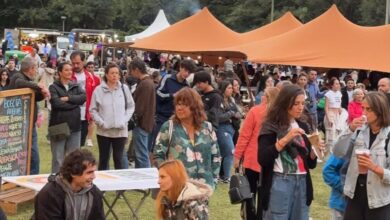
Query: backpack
[239,188]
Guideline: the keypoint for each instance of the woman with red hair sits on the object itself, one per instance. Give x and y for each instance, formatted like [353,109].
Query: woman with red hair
[180,198]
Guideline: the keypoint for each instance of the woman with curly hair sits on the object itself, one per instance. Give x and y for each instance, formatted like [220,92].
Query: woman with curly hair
[188,137]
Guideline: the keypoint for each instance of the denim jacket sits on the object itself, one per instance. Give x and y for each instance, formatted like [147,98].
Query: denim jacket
[378,190]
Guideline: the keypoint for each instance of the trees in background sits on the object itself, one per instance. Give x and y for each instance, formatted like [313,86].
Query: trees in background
[132,16]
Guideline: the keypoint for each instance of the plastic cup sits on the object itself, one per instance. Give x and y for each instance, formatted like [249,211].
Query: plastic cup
[359,152]
[364,118]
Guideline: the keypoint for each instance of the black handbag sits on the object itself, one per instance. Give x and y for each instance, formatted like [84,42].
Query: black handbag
[59,132]
[132,123]
[239,188]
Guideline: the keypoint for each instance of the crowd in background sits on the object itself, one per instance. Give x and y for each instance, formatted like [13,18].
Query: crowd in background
[180,109]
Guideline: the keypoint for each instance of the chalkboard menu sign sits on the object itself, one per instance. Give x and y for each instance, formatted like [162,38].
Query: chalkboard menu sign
[16,121]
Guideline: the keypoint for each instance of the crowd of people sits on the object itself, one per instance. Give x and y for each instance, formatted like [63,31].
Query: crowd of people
[193,122]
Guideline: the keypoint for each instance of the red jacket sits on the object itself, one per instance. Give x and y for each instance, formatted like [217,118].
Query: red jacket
[355,110]
[91,82]
[247,141]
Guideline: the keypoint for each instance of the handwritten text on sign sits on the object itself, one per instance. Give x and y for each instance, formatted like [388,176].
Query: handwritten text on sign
[14,127]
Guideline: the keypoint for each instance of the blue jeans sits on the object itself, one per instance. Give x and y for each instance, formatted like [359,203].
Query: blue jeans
[141,147]
[225,135]
[60,148]
[287,198]
[34,164]
[125,160]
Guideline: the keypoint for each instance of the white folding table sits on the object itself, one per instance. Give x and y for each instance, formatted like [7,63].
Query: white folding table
[138,180]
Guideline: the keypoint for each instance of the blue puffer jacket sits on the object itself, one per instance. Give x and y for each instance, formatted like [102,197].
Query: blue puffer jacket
[168,86]
[331,175]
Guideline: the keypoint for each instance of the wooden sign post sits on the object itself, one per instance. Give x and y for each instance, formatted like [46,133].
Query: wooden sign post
[16,123]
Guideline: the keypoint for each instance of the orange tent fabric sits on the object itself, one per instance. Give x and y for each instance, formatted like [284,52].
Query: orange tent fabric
[330,40]
[200,32]
[282,25]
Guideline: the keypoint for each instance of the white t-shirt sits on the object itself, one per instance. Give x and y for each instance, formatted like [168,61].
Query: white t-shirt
[350,95]
[37,59]
[91,58]
[278,166]
[334,99]
[81,81]
[228,65]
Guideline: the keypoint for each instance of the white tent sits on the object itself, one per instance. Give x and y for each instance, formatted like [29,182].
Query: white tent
[159,24]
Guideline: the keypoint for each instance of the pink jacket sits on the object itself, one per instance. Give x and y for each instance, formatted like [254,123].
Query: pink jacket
[355,110]
[247,143]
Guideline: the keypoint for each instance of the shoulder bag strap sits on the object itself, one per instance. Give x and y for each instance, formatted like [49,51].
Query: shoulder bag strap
[170,131]
[124,95]
[387,143]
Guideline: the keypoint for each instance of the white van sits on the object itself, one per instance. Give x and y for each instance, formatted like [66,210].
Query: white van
[62,44]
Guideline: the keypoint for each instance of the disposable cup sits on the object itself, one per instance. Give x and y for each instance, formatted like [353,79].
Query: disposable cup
[314,139]
[358,152]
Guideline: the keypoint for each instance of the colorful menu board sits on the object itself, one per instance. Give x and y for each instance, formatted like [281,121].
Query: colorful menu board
[16,121]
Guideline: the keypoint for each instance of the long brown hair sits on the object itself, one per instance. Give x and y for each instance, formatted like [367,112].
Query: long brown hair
[177,172]
[278,113]
[192,99]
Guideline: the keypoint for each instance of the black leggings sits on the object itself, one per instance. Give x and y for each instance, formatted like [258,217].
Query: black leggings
[250,206]
[105,143]
[357,208]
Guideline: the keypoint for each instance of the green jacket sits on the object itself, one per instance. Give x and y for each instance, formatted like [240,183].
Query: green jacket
[202,161]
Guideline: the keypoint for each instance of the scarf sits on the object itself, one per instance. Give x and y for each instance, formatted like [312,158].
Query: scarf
[292,149]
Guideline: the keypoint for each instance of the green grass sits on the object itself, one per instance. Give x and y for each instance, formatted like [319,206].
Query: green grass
[220,207]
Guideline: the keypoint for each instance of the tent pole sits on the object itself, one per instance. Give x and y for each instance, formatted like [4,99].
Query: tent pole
[101,57]
[272,10]
[387,11]
[251,104]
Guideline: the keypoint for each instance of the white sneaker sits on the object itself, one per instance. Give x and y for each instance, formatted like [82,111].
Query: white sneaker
[89,143]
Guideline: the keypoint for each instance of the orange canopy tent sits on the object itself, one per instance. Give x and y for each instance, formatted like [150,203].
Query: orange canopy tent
[282,25]
[202,36]
[200,32]
[330,40]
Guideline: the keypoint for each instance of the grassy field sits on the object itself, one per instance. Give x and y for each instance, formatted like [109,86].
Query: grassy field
[220,207]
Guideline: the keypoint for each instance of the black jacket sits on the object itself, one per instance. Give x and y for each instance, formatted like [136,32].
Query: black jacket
[227,112]
[344,99]
[66,111]
[212,105]
[50,203]
[19,81]
[267,154]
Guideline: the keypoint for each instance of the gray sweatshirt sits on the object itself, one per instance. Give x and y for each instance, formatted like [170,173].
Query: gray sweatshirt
[78,205]
[109,111]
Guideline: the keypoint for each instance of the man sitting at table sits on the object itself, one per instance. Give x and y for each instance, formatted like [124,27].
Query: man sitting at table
[71,194]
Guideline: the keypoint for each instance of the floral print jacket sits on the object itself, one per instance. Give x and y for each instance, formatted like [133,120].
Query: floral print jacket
[202,159]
